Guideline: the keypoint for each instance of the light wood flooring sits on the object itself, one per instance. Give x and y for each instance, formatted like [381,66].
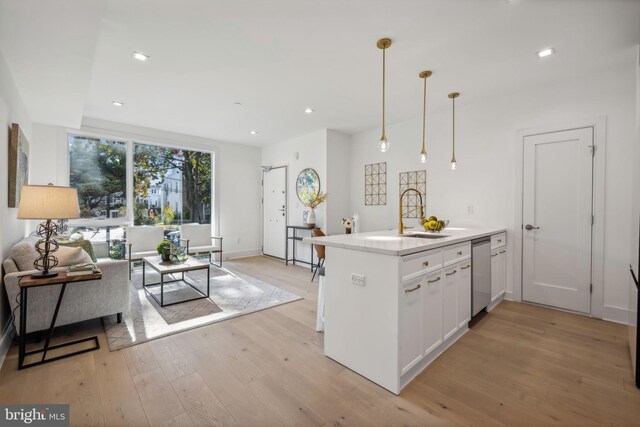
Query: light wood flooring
[520,365]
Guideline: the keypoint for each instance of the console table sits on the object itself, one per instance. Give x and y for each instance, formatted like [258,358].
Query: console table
[292,234]
[27,282]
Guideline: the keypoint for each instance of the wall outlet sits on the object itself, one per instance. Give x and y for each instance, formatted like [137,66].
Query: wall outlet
[469,209]
[358,280]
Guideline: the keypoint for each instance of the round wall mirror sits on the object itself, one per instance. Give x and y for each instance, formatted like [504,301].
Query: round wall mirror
[308,186]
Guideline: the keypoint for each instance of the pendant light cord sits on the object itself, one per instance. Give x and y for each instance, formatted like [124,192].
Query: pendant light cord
[424,114]
[384,57]
[453,128]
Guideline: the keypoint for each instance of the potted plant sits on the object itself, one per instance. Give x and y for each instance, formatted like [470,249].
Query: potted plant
[164,250]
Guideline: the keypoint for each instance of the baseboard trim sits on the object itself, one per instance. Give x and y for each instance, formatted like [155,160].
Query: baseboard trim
[242,254]
[5,342]
[615,314]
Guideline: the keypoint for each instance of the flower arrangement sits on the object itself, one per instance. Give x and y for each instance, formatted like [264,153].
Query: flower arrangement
[314,204]
[348,224]
[164,250]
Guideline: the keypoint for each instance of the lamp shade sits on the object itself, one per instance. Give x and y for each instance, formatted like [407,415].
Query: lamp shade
[48,202]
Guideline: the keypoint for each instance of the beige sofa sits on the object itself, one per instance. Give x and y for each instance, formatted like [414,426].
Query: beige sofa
[82,300]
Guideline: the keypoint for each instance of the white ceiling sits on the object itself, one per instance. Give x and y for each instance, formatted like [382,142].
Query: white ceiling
[72,58]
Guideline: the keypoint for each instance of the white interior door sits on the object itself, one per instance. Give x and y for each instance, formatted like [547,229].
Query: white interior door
[274,208]
[557,219]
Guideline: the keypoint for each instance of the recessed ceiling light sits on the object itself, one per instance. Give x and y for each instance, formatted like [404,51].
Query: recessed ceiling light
[237,103]
[253,132]
[117,103]
[546,52]
[309,110]
[140,56]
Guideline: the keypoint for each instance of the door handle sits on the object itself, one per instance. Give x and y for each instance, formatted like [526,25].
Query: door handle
[531,227]
[281,210]
[434,280]
[452,273]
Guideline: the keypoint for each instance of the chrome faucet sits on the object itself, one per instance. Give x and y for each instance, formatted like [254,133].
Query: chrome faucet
[401,226]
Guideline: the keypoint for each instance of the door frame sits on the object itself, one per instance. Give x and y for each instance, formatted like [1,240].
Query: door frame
[597,240]
[286,201]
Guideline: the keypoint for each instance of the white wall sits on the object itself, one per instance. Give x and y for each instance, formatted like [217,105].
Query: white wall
[485,150]
[12,110]
[338,181]
[312,153]
[237,178]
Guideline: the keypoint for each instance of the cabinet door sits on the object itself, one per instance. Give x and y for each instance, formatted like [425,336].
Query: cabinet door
[495,273]
[464,293]
[450,302]
[411,324]
[432,310]
[502,259]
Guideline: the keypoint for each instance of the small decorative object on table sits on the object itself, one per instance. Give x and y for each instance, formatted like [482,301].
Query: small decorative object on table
[178,254]
[164,250]
[348,224]
[311,217]
[434,225]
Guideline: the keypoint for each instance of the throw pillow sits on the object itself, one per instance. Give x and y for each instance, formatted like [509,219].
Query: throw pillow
[24,253]
[84,244]
[70,256]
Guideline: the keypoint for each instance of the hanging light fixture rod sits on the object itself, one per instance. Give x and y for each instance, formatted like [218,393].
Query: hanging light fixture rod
[453,96]
[423,154]
[384,44]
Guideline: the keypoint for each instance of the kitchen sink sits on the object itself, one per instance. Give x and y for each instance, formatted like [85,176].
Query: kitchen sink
[425,235]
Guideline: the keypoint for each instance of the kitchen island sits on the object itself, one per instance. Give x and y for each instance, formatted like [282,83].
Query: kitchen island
[393,303]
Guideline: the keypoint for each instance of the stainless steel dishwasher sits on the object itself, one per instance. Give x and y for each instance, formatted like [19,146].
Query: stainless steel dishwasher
[480,274]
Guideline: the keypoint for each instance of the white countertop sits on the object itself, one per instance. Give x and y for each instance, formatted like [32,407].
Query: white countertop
[390,243]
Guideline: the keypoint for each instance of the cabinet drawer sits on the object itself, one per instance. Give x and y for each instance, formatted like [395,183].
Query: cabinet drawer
[454,253]
[415,265]
[498,240]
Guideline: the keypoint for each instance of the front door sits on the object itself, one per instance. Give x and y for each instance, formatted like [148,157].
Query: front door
[274,208]
[557,219]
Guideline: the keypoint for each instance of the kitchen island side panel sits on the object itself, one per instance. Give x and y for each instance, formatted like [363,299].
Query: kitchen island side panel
[361,322]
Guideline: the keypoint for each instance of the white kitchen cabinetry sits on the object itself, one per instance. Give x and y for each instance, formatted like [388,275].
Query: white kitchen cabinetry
[498,270]
[433,308]
[413,304]
[450,300]
[464,293]
[411,323]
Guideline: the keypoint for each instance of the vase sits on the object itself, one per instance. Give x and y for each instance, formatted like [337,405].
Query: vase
[311,219]
[166,256]
[347,230]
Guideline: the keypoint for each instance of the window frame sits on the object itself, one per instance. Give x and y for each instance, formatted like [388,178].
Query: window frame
[129,141]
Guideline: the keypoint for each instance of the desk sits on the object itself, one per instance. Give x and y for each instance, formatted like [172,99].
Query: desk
[295,238]
[27,282]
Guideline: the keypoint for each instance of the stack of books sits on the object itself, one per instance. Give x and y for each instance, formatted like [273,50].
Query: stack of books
[80,269]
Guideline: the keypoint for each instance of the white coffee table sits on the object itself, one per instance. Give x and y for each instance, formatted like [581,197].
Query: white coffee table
[165,268]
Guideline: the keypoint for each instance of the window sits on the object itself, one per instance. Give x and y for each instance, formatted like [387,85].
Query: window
[98,169]
[170,187]
[184,177]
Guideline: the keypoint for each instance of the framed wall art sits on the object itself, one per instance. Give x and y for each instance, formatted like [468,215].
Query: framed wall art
[18,164]
[375,184]
[411,201]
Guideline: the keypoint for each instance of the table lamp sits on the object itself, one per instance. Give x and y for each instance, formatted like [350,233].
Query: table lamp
[47,202]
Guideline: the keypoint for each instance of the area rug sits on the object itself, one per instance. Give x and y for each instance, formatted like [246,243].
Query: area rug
[232,294]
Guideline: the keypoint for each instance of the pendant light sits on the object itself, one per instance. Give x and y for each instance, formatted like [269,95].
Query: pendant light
[423,154]
[453,96]
[383,144]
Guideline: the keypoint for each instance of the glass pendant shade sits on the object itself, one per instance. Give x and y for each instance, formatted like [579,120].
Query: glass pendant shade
[383,145]
[453,165]
[423,157]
